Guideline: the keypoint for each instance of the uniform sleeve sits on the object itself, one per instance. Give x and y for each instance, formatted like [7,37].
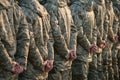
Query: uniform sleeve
[23,41]
[60,45]
[110,32]
[94,33]
[106,24]
[98,25]
[115,25]
[99,38]
[50,44]
[118,34]
[81,37]
[73,37]
[50,39]
[5,59]
[35,56]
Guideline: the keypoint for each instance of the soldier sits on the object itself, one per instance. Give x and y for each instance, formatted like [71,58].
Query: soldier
[116,46]
[118,55]
[41,54]
[83,16]
[99,10]
[110,38]
[13,30]
[64,32]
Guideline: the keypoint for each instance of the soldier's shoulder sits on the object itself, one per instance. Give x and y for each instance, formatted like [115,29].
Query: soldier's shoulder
[76,8]
[50,6]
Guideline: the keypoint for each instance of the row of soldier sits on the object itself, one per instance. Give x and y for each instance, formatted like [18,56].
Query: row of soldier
[69,39]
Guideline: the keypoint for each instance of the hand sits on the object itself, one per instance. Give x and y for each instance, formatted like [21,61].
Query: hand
[49,65]
[103,44]
[93,49]
[17,69]
[116,38]
[72,55]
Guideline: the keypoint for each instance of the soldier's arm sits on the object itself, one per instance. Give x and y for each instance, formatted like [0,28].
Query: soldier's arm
[115,25]
[73,36]
[60,45]
[118,34]
[5,60]
[23,41]
[106,24]
[94,33]
[81,36]
[50,44]
[110,33]
[99,26]
[35,56]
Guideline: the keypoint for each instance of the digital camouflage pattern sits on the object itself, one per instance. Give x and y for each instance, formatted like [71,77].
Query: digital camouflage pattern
[41,42]
[116,46]
[99,10]
[64,32]
[83,16]
[13,30]
[110,40]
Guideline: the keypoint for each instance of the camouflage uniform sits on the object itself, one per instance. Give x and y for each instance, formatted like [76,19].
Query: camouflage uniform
[109,37]
[116,46]
[65,34]
[119,62]
[41,43]
[83,17]
[118,55]
[99,10]
[13,30]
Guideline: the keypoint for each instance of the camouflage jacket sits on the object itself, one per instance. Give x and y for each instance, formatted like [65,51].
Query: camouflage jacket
[99,10]
[42,49]
[87,31]
[64,32]
[13,32]
[116,23]
[111,22]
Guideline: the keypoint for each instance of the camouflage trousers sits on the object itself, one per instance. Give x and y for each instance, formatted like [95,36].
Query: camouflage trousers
[93,73]
[79,70]
[99,66]
[107,62]
[7,76]
[60,75]
[119,62]
[115,62]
